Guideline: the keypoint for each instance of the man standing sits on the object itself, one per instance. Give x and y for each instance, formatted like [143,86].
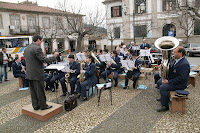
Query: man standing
[145,45]
[178,77]
[35,72]
[3,64]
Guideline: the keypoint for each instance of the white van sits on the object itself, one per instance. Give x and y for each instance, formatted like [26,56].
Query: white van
[192,48]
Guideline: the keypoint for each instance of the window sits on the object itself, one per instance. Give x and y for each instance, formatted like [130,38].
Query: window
[59,22]
[169,5]
[140,6]
[197,27]
[1,22]
[140,31]
[117,32]
[15,21]
[31,22]
[46,22]
[116,11]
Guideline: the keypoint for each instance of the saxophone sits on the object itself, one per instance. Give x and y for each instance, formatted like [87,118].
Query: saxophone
[81,75]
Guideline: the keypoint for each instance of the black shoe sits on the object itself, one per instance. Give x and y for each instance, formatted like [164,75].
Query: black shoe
[47,107]
[163,109]
[47,88]
[63,95]
[158,99]
[83,99]
[125,87]
[36,108]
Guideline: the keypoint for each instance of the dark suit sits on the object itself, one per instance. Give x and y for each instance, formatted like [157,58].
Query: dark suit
[116,68]
[73,78]
[35,73]
[135,72]
[142,46]
[18,73]
[178,79]
[90,79]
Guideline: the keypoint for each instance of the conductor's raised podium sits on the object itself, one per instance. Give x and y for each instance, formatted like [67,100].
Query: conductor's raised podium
[42,115]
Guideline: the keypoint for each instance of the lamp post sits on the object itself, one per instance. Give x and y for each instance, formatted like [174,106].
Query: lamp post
[125,10]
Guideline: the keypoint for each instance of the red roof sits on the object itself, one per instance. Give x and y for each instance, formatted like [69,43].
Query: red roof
[29,7]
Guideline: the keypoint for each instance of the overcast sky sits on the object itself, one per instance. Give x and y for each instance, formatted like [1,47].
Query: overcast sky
[85,4]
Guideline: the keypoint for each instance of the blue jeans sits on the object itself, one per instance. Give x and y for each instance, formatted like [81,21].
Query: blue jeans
[1,72]
[5,70]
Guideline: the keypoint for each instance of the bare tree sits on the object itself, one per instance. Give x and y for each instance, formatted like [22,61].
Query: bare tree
[113,32]
[80,25]
[192,7]
[186,23]
[53,30]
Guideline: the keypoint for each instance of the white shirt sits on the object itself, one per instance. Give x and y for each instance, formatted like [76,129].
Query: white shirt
[4,58]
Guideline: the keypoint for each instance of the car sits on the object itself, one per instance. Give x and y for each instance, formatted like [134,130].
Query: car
[192,48]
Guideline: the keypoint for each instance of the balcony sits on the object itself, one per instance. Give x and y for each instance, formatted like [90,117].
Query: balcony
[23,30]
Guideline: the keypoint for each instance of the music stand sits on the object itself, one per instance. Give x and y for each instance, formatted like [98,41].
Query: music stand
[53,68]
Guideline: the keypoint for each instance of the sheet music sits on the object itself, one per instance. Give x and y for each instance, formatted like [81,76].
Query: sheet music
[81,56]
[108,57]
[127,64]
[145,52]
[102,57]
[59,67]
[49,55]
[131,64]
[124,63]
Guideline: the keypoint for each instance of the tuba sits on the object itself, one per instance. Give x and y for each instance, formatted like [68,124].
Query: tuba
[166,45]
[95,58]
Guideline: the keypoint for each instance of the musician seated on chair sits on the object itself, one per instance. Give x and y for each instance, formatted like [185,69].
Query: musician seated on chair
[74,72]
[19,71]
[100,66]
[90,77]
[113,67]
[146,46]
[177,78]
[52,78]
[135,73]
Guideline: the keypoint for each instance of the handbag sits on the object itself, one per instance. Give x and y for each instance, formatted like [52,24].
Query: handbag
[70,102]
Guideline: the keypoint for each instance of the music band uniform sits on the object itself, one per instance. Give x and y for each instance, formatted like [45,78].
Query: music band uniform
[18,73]
[90,79]
[178,79]
[135,72]
[73,77]
[115,68]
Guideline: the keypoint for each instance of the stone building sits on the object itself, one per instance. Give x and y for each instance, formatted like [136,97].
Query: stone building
[20,19]
[151,19]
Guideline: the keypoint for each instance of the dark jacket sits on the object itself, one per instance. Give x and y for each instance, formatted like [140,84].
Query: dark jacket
[75,66]
[1,58]
[179,74]
[142,46]
[34,62]
[17,69]
[90,72]
[137,65]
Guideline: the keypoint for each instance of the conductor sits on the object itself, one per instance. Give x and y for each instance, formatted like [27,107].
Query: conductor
[35,72]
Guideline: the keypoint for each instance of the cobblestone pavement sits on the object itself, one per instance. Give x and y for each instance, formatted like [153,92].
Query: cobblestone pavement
[132,111]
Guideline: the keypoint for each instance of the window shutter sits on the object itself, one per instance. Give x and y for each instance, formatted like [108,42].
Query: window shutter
[120,11]
[111,12]
[164,2]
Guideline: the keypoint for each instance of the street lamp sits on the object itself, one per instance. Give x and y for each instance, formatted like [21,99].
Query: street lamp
[125,11]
